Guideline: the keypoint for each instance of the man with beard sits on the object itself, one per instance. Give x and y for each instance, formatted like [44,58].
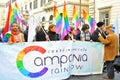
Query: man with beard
[14,35]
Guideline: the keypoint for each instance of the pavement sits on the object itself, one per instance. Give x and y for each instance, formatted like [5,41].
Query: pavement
[92,77]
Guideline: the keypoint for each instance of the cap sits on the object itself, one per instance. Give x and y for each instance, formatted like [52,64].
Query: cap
[108,27]
[99,24]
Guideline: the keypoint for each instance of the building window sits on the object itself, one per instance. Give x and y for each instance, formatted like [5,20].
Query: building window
[43,21]
[41,3]
[51,19]
[7,4]
[35,4]
[21,9]
[49,0]
[13,1]
[44,1]
[105,15]
[30,5]
[25,7]
[106,18]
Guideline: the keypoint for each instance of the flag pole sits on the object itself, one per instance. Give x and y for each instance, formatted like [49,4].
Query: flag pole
[80,9]
[42,28]
[10,1]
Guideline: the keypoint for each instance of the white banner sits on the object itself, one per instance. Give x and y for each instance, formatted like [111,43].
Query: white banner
[50,60]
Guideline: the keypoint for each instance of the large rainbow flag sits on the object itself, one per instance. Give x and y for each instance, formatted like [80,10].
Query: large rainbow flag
[89,20]
[58,19]
[6,29]
[8,24]
[66,27]
[76,20]
[13,16]
[17,15]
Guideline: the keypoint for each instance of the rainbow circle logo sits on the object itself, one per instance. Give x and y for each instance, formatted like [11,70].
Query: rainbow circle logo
[20,65]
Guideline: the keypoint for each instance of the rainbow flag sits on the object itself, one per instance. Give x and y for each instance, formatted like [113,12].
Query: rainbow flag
[8,25]
[66,27]
[58,19]
[17,15]
[6,28]
[10,19]
[7,36]
[90,21]
[76,20]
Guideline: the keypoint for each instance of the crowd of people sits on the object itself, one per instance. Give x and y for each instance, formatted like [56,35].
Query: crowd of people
[102,34]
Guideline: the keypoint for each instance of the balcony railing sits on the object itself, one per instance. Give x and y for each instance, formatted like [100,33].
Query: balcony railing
[49,4]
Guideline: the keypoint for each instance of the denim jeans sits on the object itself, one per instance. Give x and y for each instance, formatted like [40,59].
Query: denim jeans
[109,69]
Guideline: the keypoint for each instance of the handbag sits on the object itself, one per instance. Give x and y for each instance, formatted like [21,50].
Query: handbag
[116,63]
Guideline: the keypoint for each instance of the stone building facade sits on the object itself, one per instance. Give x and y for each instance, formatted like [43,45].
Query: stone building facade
[43,9]
[2,16]
[105,10]
[100,10]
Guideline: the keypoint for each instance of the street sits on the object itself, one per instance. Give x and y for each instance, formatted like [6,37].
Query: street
[93,77]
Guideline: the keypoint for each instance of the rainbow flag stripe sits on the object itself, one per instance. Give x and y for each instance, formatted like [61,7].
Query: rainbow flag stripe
[17,15]
[90,20]
[66,27]
[58,20]
[6,37]
[75,17]
[12,18]
[6,29]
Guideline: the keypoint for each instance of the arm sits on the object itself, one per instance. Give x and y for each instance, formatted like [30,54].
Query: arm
[104,41]
[21,37]
[94,36]
[10,40]
[82,36]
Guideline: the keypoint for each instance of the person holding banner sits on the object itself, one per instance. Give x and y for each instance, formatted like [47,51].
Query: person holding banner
[110,50]
[101,30]
[14,36]
[71,35]
[40,34]
[85,34]
[26,34]
[78,34]
[53,36]
[0,39]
